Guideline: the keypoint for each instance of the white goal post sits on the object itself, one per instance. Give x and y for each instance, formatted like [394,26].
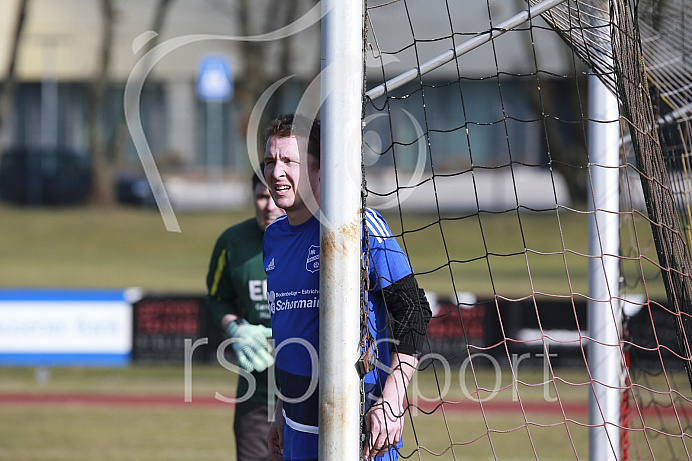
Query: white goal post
[340,229]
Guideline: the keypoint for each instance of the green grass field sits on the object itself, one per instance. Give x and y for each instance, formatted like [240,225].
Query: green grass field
[128,247]
[176,430]
[77,431]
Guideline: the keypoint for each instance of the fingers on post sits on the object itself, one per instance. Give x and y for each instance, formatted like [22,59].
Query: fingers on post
[383,431]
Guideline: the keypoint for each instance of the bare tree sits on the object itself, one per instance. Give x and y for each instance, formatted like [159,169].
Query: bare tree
[7,89]
[120,135]
[254,54]
[102,192]
[105,152]
[567,145]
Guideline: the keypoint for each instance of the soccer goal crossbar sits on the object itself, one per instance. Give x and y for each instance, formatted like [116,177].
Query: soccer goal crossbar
[461,49]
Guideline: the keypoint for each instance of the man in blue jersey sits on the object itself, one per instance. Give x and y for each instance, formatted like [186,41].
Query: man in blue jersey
[398,311]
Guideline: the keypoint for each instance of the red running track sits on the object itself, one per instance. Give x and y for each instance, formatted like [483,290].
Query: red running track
[571,409]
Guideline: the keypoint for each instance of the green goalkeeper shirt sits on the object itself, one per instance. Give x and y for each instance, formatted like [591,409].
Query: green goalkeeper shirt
[237,284]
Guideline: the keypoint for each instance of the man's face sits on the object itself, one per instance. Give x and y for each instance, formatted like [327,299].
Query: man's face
[290,176]
[266,210]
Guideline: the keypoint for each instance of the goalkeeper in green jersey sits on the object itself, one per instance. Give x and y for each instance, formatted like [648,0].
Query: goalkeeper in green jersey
[237,302]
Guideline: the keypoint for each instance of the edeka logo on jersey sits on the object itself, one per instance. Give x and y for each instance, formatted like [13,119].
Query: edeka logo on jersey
[303,299]
[313,262]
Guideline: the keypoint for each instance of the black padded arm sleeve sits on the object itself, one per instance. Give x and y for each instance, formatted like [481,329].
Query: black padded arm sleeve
[409,315]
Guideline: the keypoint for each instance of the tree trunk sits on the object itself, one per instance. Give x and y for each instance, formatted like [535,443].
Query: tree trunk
[103,184]
[254,55]
[120,135]
[105,153]
[7,89]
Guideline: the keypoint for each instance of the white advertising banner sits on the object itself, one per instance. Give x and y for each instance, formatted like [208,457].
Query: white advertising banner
[65,327]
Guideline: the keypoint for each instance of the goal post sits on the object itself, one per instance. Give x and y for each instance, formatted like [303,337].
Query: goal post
[604,316]
[340,229]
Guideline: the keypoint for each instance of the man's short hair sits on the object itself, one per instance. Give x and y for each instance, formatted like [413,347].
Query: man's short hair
[287,125]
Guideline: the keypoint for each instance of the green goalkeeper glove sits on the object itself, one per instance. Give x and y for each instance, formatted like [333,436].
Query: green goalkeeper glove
[251,346]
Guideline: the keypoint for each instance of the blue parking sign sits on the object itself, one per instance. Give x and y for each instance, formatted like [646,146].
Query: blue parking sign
[214,81]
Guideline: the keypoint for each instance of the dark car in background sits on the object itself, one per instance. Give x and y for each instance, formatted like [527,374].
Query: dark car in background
[44,176]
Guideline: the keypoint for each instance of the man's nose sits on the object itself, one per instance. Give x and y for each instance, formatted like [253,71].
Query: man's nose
[278,170]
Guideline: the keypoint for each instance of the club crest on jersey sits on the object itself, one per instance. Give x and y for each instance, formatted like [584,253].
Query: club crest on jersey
[271,300]
[313,262]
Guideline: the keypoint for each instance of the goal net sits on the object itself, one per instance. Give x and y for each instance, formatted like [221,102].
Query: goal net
[479,149]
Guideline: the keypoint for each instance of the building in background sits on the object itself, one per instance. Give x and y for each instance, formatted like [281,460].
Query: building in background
[262,41]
